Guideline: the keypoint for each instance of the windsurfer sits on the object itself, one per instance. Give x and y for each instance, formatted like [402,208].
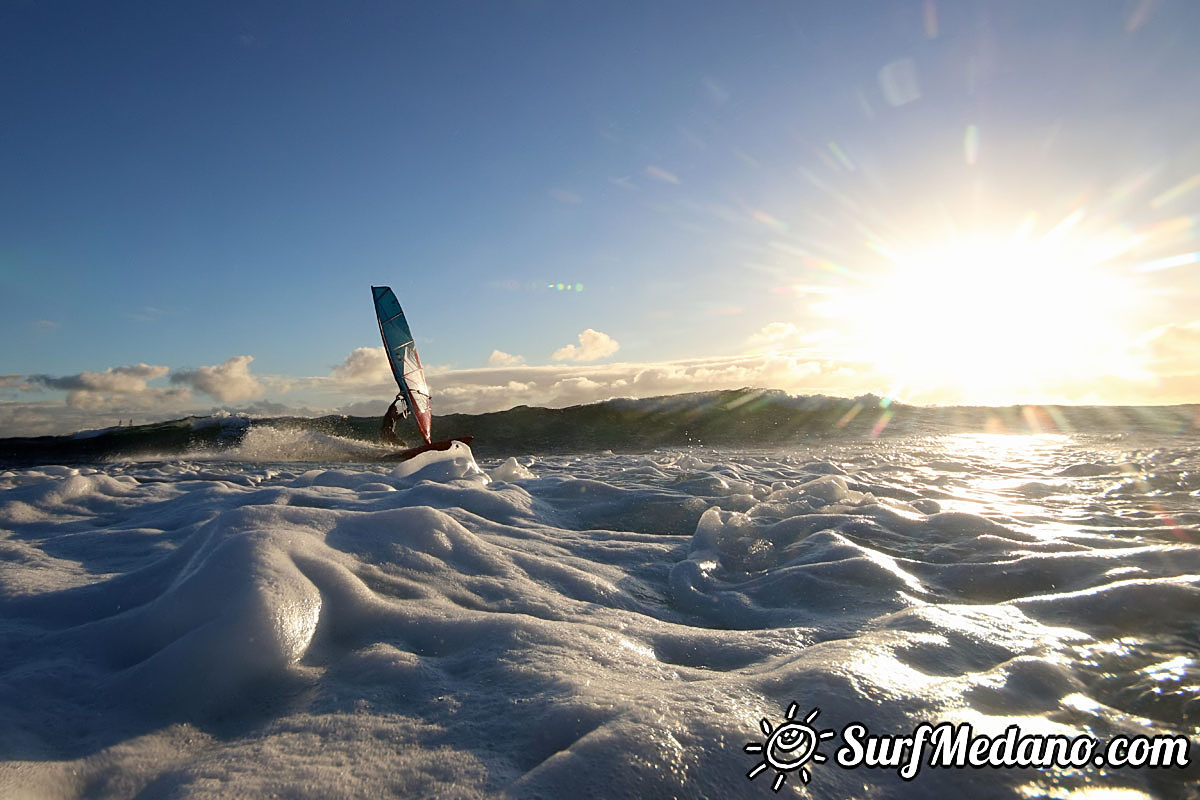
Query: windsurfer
[387,431]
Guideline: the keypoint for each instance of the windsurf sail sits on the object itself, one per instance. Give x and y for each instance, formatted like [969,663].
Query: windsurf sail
[402,355]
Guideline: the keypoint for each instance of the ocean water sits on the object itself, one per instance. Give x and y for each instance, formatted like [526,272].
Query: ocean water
[264,620]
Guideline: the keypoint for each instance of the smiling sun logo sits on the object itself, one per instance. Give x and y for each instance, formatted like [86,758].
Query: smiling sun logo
[788,747]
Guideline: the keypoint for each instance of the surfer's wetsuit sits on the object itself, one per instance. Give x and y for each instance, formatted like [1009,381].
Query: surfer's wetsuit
[387,431]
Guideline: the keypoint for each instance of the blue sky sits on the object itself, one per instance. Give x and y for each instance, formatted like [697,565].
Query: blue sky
[942,202]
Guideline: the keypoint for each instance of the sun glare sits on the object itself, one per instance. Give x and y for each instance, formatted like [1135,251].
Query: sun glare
[997,319]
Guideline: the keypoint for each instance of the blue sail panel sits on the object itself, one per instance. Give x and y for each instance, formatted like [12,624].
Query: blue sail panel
[402,356]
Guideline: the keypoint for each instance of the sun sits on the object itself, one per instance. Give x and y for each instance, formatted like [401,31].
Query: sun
[789,747]
[998,319]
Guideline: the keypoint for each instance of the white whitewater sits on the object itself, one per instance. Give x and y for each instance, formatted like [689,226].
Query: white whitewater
[599,625]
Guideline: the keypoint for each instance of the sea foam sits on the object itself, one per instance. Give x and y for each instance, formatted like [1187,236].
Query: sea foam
[613,625]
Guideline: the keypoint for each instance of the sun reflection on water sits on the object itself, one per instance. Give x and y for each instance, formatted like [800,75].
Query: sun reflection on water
[1006,448]
[999,472]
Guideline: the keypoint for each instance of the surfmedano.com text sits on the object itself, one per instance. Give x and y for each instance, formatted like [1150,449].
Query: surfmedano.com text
[957,746]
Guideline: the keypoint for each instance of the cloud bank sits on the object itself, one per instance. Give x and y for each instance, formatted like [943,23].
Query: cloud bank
[102,398]
[557,385]
[124,387]
[362,385]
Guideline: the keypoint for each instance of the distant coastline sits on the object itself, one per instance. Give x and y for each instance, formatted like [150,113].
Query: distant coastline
[730,418]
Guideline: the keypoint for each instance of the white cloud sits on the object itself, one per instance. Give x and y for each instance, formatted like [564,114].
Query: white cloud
[230,382]
[776,336]
[499,358]
[115,387]
[118,380]
[476,398]
[151,398]
[97,399]
[364,366]
[593,345]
